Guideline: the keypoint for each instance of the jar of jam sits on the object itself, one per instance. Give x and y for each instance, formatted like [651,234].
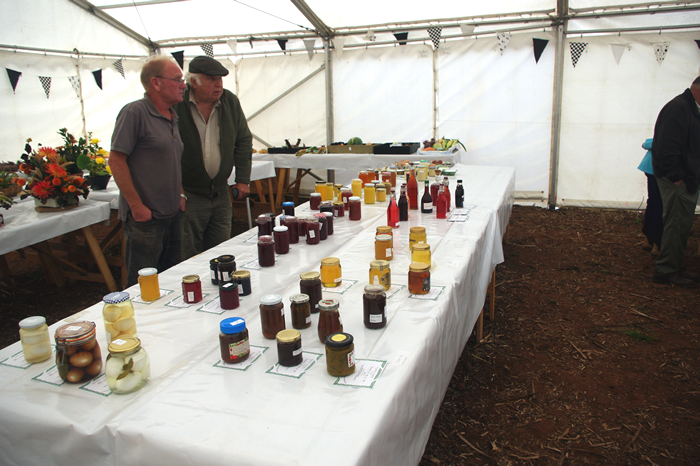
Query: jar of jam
[417,235]
[356,186]
[331,274]
[329,223]
[273,222]
[225,266]
[289,348]
[385,230]
[271,315]
[321,189]
[233,340]
[381,194]
[421,253]
[384,247]
[128,366]
[266,251]
[374,306]
[228,296]
[418,278]
[191,289]
[34,335]
[322,229]
[78,355]
[355,208]
[214,271]
[148,284]
[301,226]
[264,224]
[242,280]
[338,209]
[380,273]
[288,208]
[281,235]
[386,176]
[310,285]
[369,193]
[326,207]
[340,354]
[392,173]
[301,311]
[329,319]
[345,194]
[315,201]
[118,315]
[293,225]
[313,234]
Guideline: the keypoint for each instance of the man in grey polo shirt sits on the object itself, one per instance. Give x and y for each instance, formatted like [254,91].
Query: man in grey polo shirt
[145,161]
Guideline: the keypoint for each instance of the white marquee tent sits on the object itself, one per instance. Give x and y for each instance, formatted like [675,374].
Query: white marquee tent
[571,121]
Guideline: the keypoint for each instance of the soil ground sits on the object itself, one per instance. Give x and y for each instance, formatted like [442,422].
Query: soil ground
[586,362]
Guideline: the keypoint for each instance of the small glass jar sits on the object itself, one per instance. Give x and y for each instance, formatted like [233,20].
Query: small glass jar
[228,296]
[331,274]
[355,208]
[289,348]
[356,186]
[225,266]
[148,284]
[417,235]
[385,230]
[310,285]
[384,247]
[264,225]
[392,173]
[293,225]
[271,315]
[329,192]
[340,354]
[381,194]
[301,311]
[338,209]
[288,208]
[369,193]
[118,315]
[301,226]
[322,228]
[191,289]
[281,235]
[34,335]
[273,221]
[242,280]
[329,319]
[421,253]
[336,190]
[329,223]
[128,366]
[214,271]
[345,194]
[233,340]
[326,206]
[418,278]
[386,177]
[374,306]
[266,251]
[315,200]
[78,354]
[321,189]
[380,273]
[313,234]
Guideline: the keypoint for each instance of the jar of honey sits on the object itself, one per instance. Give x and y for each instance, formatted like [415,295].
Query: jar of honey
[34,335]
[329,318]
[374,306]
[380,273]
[321,189]
[128,367]
[310,285]
[78,355]
[355,208]
[191,289]
[329,192]
[356,186]
[340,354]
[421,253]
[416,235]
[233,340]
[369,193]
[384,247]
[331,275]
[271,315]
[289,348]
[301,311]
[385,230]
[118,315]
[418,278]
[148,283]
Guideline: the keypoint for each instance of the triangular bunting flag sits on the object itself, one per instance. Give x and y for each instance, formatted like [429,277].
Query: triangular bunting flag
[119,65]
[46,84]
[538,46]
[435,33]
[577,48]
[179,58]
[233,45]
[283,44]
[467,29]
[503,39]
[98,78]
[618,50]
[370,36]
[75,82]
[309,44]
[660,49]
[14,78]
[339,43]
[208,49]
[401,37]
[697,42]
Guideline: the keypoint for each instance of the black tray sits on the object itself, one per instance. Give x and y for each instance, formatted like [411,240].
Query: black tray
[404,148]
[285,150]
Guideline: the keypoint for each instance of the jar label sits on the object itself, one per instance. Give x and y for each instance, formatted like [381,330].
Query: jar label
[212,274]
[376,318]
[338,280]
[312,234]
[239,349]
[375,280]
[308,319]
[73,328]
[296,352]
[190,296]
[385,279]
[282,310]
[428,205]
[351,358]
[389,252]
[426,284]
[240,288]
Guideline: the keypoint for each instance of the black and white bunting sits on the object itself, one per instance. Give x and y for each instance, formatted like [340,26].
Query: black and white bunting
[435,33]
[14,78]
[46,84]
[577,48]
[208,49]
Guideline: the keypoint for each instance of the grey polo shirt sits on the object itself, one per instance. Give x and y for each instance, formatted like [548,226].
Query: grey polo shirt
[153,147]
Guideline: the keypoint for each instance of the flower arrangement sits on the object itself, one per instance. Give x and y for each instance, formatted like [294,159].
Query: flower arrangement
[92,157]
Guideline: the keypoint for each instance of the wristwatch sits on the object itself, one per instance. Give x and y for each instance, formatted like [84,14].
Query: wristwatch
[183,196]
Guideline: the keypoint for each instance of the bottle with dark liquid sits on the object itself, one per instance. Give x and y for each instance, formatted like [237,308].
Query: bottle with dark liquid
[412,191]
[403,205]
[392,212]
[426,202]
[459,194]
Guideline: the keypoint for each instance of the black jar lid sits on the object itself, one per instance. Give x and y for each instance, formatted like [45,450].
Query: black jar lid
[226,258]
[339,340]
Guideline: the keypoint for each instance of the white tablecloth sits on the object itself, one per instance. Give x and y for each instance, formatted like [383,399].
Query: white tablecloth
[194,412]
[354,162]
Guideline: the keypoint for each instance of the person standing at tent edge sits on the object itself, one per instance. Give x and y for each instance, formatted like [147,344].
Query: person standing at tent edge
[675,155]
[216,137]
[145,160]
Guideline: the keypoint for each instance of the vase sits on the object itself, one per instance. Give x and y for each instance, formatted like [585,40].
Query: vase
[98,182]
[52,204]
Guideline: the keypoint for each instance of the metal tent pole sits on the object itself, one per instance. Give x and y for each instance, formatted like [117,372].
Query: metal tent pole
[562,9]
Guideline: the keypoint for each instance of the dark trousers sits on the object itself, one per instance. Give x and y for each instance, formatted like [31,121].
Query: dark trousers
[207,222]
[679,213]
[155,243]
[653,216]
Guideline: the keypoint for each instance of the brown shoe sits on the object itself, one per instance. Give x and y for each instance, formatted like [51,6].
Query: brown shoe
[673,279]
[693,277]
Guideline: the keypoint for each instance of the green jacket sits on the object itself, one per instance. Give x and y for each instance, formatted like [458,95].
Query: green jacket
[236,147]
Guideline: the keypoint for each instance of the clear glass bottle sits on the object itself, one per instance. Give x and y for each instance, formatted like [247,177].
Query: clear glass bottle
[127,367]
[34,335]
[118,315]
[329,321]
[331,273]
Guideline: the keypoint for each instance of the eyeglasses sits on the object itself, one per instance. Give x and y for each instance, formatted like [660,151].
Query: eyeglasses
[179,81]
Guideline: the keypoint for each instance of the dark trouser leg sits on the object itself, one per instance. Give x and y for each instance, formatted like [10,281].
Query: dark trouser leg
[219,228]
[144,245]
[172,242]
[207,222]
[679,211]
[655,209]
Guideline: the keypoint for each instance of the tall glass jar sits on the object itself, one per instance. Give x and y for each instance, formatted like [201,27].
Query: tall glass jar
[381,194]
[417,235]
[338,209]
[288,208]
[148,284]
[326,206]
[329,319]
[322,226]
[384,247]
[191,289]
[78,355]
[369,193]
[233,340]
[374,306]
[418,278]
[380,273]
[345,194]
[271,315]
[331,274]
[313,231]
[340,354]
[330,191]
[266,251]
[321,189]
[281,235]
[293,225]
[289,348]
[225,266]
[421,253]
[310,285]
[264,225]
[118,315]
[34,335]
[242,279]
[128,367]
[356,186]
[355,208]
[301,311]
[315,201]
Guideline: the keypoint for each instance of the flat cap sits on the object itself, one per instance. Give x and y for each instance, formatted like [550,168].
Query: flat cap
[208,66]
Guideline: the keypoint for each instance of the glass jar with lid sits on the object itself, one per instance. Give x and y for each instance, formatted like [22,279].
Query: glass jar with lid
[34,335]
[225,266]
[380,194]
[301,311]
[374,306]
[271,315]
[322,228]
[356,186]
[418,278]
[78,355]
[354,208]
[266,251]
[242,279]
[313,228]
[281,236]
[384,247]
[369,193]
[330,191]
[310,285]
[128,367]
[385,230]
[289,348]
[345,194]
[380,273]
[417,235]
[118,315]
[421,253]
[329,321]
[191,289]
[326,206]
[233,340]
[315,200]
[331,273]
[329,223]
[264,223]
[288,208]
[293,225]
[148,284]
[340,354]
[338,209]
[214,271]
[228,296]
[321,189]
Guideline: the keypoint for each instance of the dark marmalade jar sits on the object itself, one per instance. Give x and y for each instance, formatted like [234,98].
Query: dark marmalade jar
[289,348]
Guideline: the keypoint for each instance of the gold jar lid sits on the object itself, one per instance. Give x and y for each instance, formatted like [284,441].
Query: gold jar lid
[299,298]
[379,264]
[288,336]
[241,274]
[384,238]
[384,229]
[190,278]
[421,247]
[417,230]
[310,276]
[124,345]
[381,189]
[338,203]
[418,267]
[330,261]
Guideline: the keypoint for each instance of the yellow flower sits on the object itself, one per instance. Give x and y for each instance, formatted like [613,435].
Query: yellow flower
[102,152]
[109,170]
[94,141]
[100,160]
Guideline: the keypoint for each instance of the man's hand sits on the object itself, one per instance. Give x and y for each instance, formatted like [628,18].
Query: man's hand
[243,190]
[141,213]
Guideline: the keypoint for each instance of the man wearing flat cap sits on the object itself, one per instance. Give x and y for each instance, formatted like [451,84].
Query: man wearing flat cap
[215,133]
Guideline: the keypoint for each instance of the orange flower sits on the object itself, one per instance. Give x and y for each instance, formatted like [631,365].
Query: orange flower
[41,190]
[56,182]
[56,170]
[48,152]
[71,188]
[26,169]
[64,189]
[20,181]
[78,181]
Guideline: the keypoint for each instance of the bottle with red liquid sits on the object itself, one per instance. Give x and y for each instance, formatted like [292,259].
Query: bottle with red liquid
[446,183]
[426,202]
[434,188]
[392,212]
[412,191]
[441,204]
[403,205]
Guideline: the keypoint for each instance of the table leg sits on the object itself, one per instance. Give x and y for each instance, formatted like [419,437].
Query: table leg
[492,293]
[270,188]
[52,270]
[284,172]
[94,247]
[4,268]
[258,187]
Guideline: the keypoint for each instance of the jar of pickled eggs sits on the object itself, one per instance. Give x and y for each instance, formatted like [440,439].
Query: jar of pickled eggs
[34,335]
[78,355]
[128,367]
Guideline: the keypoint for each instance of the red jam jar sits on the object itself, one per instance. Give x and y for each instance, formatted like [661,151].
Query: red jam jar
[315,201]
[338,209]
[281,236]
[345,193]
[233,340]
[301,226]
[228,296]
[271,315]
[355,208]
[264,225]
[288,208]
[266,251]
[323,226]
[293,225]
[313,231]
[191,289]
[329,223]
